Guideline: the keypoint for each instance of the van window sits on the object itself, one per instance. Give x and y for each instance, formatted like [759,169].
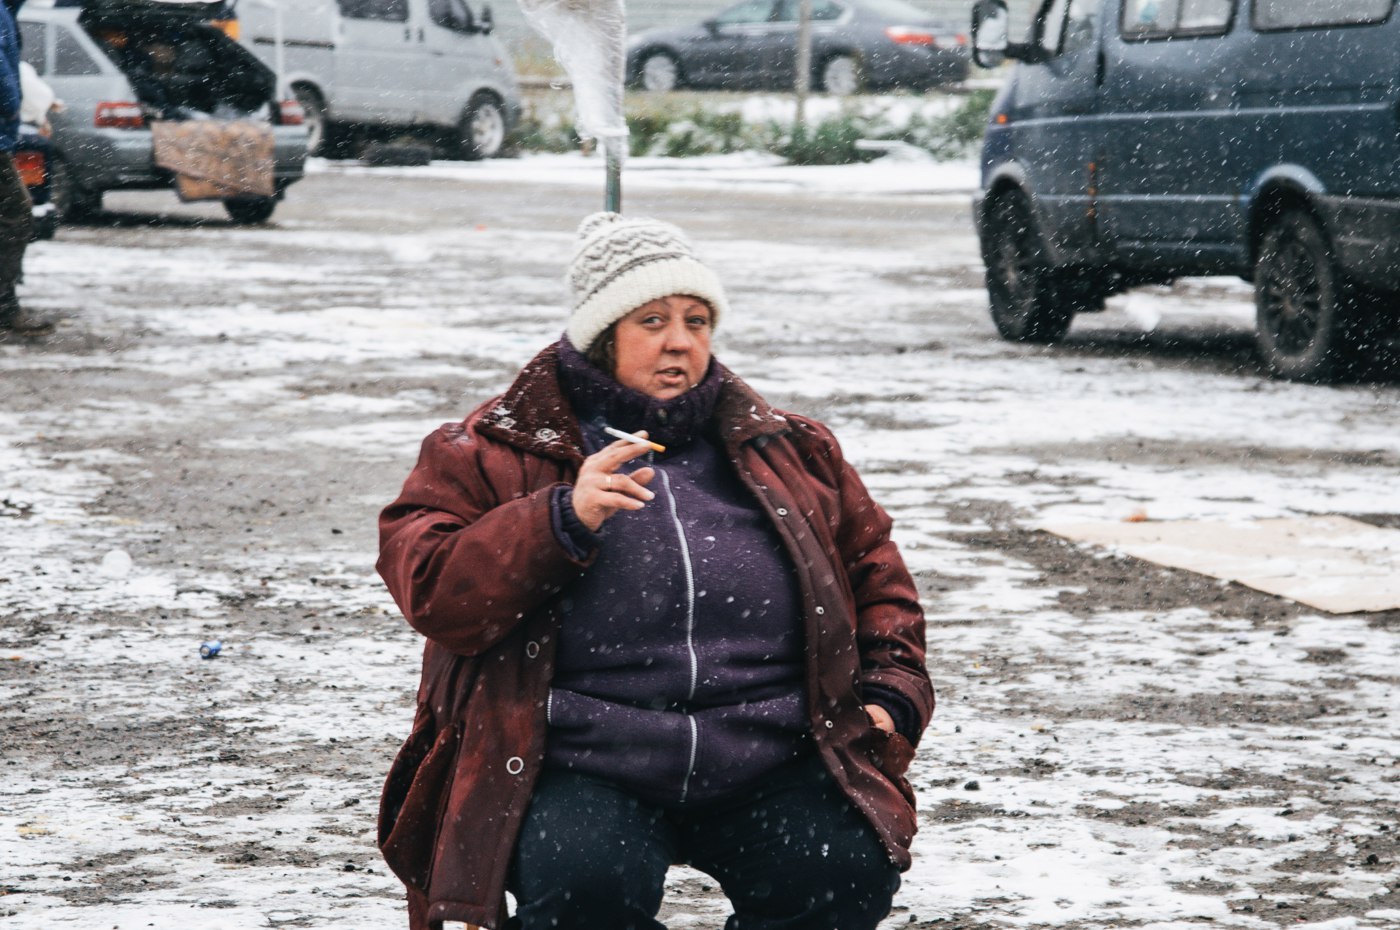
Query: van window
[69,57]
[451,14]
[1068,25]
[395,11]
[34,37]
[1165,19]
[1303,14]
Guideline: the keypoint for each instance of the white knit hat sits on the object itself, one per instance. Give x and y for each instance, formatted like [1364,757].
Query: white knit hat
[622,263]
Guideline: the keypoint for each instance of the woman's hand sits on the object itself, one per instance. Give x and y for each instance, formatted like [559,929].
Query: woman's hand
[879,717]
[600,492]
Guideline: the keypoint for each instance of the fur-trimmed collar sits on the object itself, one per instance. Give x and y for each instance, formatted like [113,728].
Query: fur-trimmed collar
[534,413]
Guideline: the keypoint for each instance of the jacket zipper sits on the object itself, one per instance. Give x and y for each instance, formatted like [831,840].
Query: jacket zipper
[689,625]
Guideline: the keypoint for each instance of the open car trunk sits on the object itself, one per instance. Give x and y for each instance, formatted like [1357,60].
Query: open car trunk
[180,65]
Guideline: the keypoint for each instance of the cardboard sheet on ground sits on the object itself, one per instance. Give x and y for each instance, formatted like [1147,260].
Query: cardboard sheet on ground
[1331,563]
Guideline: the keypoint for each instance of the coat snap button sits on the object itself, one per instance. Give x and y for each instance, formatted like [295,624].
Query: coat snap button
[532,649]
[829,724]
[545,434]
[782,511]
[515,765]
[820,611]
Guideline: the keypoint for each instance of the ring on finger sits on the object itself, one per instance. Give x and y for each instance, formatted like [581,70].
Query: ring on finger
[610,481]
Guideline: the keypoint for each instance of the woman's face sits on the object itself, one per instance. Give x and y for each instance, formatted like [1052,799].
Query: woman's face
[663,348]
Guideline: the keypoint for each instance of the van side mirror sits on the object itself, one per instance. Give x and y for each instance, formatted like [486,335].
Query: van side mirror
[488,22]
[712,27]
[989,32]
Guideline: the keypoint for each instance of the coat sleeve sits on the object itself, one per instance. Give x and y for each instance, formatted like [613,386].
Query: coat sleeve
[889,619]
[468,551]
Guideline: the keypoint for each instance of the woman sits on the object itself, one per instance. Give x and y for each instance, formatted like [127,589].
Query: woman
[711,654]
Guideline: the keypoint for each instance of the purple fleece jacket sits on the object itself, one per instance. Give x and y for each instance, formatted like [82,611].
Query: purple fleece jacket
[679,672]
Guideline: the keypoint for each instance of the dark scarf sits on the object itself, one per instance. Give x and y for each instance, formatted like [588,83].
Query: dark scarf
[598,399]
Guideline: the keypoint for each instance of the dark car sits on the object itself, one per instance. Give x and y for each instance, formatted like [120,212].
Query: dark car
[856,45]
[1137,142]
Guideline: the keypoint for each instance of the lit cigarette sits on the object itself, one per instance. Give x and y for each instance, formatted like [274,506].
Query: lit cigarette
[633,437]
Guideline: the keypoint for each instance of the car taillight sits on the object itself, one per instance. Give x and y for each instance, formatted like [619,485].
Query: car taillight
[292,114]
[30,166]
[904,35]
[119,115]
[229,27]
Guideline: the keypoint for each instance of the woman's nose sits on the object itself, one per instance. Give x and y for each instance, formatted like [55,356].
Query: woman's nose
[678,337]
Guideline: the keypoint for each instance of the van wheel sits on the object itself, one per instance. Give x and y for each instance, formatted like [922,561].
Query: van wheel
[318,129]
[482,132]
[1030,302]
[842,75]
[1308,326]
[73,202]
[249,211]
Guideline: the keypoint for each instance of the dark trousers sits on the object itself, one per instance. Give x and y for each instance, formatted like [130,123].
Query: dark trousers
[791,854]
[16,229]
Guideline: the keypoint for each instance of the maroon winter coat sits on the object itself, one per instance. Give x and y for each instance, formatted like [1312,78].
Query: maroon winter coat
[471,558]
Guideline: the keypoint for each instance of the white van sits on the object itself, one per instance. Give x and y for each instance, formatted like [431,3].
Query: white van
[428,66]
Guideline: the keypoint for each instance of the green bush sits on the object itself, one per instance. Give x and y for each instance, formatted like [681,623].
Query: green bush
[968,122]
[681,126]
[830,142]
[546,132]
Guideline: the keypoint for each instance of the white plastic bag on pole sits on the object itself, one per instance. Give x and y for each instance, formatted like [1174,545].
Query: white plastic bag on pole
[590,41]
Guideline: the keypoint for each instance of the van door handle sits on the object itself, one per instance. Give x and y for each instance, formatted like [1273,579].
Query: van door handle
[420,33]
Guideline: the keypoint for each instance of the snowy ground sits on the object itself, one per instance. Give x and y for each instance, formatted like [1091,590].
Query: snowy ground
[199,451]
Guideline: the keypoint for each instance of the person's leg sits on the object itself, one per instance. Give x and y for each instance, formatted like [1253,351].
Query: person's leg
[590,856]
[794,855]
[16,229]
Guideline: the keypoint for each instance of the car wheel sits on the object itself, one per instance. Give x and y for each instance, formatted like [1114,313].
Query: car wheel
[482,132]
[1308,326]
[318,128]
[1030,302]
[249,211]
[842,75]
[73,202]
[660,73]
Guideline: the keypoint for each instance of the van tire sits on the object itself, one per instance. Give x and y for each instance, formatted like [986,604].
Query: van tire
[319,132]
[1030,301]
[250,211]
[1308,324]
[482,131]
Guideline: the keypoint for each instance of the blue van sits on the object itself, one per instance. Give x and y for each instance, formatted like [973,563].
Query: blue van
[1138,141]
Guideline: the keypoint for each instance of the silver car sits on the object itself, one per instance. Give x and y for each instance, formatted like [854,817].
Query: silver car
[189,69]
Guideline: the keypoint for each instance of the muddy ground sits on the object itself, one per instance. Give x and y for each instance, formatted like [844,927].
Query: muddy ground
[200,448]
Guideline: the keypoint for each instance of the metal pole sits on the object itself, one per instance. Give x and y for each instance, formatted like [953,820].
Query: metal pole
[803,79]
[612,198]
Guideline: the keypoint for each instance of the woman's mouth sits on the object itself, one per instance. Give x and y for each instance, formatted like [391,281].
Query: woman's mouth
[671,376]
